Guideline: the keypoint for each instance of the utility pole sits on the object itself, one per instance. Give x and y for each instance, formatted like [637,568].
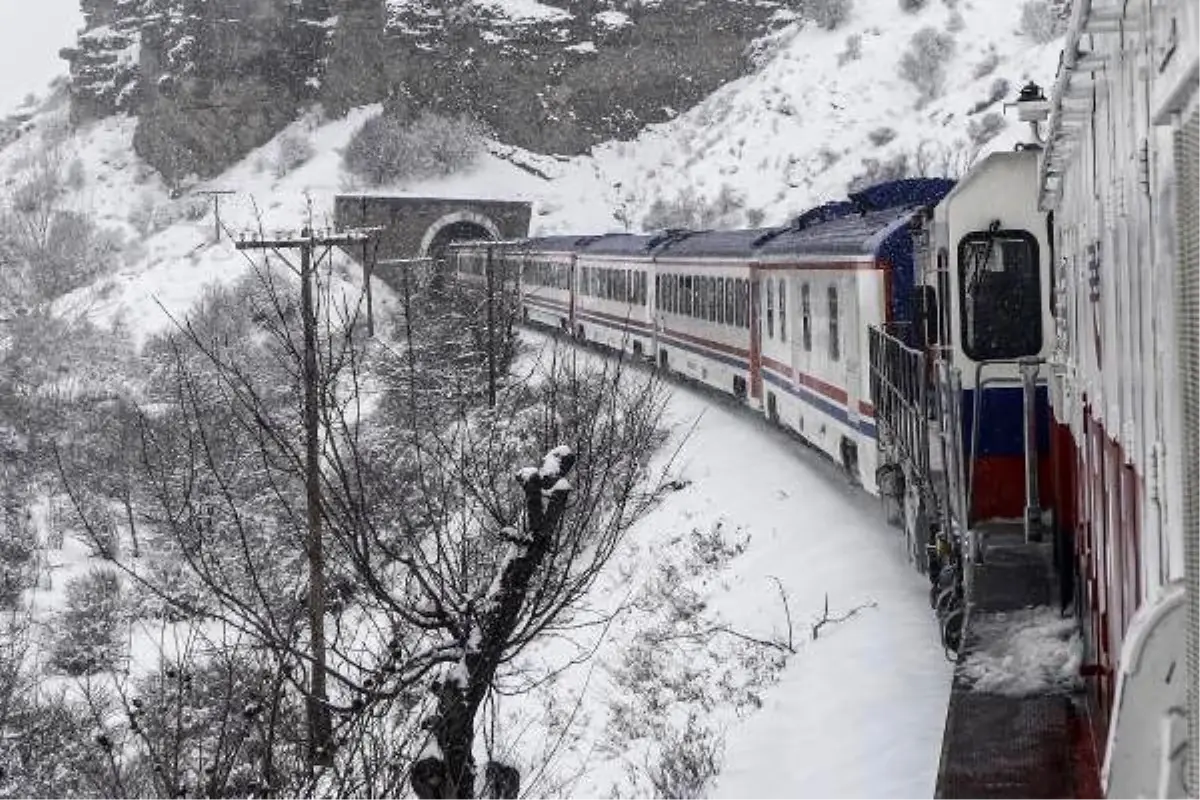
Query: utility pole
[491,328]
[320,722]
[216,195]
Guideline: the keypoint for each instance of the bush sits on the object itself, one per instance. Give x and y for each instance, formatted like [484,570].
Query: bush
[881,136]
[912,6]
[17,549]
[89,638]
[293,150]
[987,66]
[853,51]
[688,762]
[876,171]
[828,14]
[924,63]
[691,211]
[983,130]
[956,22]
[1041,21]
[386,150]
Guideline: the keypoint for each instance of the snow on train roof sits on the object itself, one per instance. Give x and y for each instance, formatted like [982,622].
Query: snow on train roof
[845,227]
[853,234]
[714,244]
[620,244]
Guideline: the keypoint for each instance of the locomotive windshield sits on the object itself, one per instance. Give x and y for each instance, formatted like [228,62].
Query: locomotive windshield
[1001,295]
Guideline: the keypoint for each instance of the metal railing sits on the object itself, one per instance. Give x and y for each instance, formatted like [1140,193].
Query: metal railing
[899,393]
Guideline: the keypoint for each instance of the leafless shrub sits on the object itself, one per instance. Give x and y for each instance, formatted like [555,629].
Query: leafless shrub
[691,211]
[956,22]
[987,66]
[827,14]
[1041,21]
[912,6]
[877,171]
[983,130]
[853,51]
[291,151]
[89,638]
[687,761]
[881,136]
[386,150]
[18,547]
[923,64]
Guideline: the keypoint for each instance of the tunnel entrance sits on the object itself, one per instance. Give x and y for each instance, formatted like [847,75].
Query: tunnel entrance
[455,232]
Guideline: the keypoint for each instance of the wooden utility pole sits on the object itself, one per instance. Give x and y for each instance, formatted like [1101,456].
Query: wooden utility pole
[491,327]
[320,722]
[216,195]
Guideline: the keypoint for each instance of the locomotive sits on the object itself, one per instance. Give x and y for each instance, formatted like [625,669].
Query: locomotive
[1008,360]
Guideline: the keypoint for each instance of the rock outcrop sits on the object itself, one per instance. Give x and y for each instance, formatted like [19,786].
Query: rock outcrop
[209,81]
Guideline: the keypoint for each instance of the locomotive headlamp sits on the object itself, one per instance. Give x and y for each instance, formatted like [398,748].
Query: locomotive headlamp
[1032,105]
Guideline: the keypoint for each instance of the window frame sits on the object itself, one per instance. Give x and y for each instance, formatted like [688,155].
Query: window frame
[835,327]
[966,341]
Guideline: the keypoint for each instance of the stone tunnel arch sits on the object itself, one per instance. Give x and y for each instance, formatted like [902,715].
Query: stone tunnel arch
[456,227]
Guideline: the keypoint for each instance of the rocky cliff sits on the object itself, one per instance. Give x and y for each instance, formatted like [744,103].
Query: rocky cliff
[209,81]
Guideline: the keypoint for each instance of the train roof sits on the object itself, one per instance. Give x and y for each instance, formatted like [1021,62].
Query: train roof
[853,234]
[713,244]
[558,243]
[618,244]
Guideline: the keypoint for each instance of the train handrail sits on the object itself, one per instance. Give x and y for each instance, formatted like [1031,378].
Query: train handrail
[899,393]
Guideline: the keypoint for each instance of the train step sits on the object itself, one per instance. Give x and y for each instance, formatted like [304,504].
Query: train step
[1002,738]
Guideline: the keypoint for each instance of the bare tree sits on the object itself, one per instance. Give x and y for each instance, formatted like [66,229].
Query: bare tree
[433,568]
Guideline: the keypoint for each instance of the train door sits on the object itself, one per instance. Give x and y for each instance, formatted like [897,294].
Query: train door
[852,370]
[755,334]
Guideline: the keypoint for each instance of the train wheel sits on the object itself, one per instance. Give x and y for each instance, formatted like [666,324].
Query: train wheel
[916,525]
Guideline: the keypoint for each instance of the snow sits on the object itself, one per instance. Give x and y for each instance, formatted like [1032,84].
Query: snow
[1030,651]
[858,712]
[525,10]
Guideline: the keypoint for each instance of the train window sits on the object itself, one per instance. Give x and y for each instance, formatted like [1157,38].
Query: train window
[741,314]
[686,306]
[782,312]
[770,290]
[720,301]
[806,316]
[658,293]
[710,305]
[835,344]
[1000,295]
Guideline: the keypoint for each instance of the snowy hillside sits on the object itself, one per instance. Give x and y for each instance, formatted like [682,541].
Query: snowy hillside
[758,530]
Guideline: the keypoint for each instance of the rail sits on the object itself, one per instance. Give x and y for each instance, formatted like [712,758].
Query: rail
[899,392]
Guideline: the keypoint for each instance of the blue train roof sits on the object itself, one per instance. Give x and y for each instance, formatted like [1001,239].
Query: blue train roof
[617,244]
[558,244]
[713,244]
[844,227]
[854,234]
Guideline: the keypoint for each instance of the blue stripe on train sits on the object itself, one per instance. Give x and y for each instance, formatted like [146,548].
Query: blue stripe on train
[822,404]
[1001,430]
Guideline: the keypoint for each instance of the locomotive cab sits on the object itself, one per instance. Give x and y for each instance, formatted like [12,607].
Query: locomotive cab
[985,302]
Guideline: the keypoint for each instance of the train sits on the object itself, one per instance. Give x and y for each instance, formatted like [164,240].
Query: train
[1008,360]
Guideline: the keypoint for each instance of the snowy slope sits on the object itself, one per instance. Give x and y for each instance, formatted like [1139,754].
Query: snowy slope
[857,712]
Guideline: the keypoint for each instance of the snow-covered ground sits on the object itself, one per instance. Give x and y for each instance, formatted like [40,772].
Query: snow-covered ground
[758,518]
[857,712]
